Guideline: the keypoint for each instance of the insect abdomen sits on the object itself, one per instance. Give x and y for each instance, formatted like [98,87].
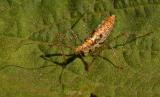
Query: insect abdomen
[97,37]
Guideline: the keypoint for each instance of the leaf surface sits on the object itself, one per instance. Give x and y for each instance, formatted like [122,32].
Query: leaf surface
[32,28]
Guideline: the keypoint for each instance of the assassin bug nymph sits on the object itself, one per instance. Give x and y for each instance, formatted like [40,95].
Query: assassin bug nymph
[96,39]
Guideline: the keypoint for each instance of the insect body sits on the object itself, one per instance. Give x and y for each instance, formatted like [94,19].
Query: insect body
[97,37]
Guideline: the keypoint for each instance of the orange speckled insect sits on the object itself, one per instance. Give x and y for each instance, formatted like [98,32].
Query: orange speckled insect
[97,37]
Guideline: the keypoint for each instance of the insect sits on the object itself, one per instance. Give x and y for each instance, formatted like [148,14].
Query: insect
[97,37]
[95,40]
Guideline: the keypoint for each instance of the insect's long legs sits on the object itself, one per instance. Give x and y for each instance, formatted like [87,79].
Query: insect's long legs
[120,45]
[106,59]
[119,36]
[132,40]
[86,64]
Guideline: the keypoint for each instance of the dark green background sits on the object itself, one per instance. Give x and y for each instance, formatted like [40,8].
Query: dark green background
[28,26]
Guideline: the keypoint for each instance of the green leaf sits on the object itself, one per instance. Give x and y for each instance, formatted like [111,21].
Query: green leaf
[30,29]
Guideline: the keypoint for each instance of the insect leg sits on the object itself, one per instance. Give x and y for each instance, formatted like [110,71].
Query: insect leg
[87,65]
[108,60]
[64,64]
[132,40]
[123,44]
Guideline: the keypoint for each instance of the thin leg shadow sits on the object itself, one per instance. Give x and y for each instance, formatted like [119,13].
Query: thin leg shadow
[25,68]
[71,58]
[106,59]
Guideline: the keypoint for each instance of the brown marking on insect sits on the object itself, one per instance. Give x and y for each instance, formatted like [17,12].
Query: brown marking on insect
[98,36]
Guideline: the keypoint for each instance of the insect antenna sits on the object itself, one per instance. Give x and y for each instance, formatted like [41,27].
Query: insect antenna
[75,35]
